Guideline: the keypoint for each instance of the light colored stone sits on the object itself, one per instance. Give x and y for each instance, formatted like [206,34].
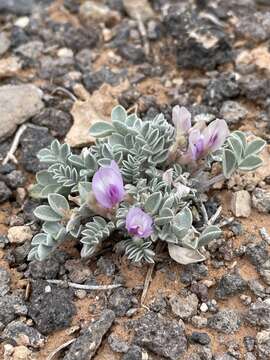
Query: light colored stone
[204,307]
[32,49]
[9,67]
[65,52]
[4,43]
[18,103]
[19,234]
[261,200]
[139,8]
[241,203]
[92,10]
[21,353]
[184,307]
[22,22]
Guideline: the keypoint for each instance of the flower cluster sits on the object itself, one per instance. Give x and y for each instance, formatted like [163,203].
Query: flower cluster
[140,179]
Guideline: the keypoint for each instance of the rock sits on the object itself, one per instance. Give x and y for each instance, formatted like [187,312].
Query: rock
[120,301]
[17,7]
[34,139]
[9,67]
[233,112]
[89,341]
[4,43]
[92,11]
[241,203]
[184,307]
[259,58]
[264,270]
[221,88]
[263,344]
[226,321]
[85,113]
[249,342]
[79,38]
[18,103]
[134,353]
[106,266]
[161,336]
[229,285]
[259,314]
[46,269]
[78,272]
[132,53]
[261,200]
[93,80]
[139,8]
[199,322]
[254,87]
[257,253]
[225,356]
[19,234]
[23,334]
[117,344]
[198,45]
[255,27]
[50,307]
[200,338]
[11,306]
[22,353]
[4,281]
[31,50]
[15,179]
[159,304]
[193,272]
[5,192]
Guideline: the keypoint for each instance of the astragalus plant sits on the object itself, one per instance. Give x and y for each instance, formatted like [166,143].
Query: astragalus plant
[144,180]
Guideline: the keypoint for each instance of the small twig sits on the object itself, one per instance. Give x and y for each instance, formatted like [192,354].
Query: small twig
[10,155]
[264,235]
[143,33]
[147,282]
[61,347]
[215,216]
[225,222]
[65,91]
[84,287]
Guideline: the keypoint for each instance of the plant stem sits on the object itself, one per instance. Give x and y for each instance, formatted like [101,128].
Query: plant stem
[212,181]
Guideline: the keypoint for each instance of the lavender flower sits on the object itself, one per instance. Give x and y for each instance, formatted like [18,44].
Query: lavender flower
[138,223]
[108,186]
[181,119]
[203,141]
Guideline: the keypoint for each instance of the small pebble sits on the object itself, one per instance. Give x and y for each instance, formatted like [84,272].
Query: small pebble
[204,307]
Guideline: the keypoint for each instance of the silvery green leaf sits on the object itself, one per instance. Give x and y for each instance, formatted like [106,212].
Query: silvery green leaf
[101,129]
[87,250]
[184,218]
[32,254]
[158,146]
[35,191]
[145,128]
[44,178]
[76,161]
[153,137]
[190,240]
[39,239]
[49,189]
[168,203]
[241,136]
[119,114]
[251,162]
[59,204]
[212,232]
[160,157]
[228,163]
[106,151]
[118,157]
[116,139]
[131,120]
[84,190]
[165,216]
[129,141]
[43,252]
[180,232]
[60,236]
[104,162]
[153,203]
[236,146]
[45,213]
[254,147]
[121,127]
[51,228]
[184,256]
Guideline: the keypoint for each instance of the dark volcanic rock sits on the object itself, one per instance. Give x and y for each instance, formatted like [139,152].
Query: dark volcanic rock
[50,307]
[254,87]
[80,38]
[58,121]
[94,80]
[87,344]
[193,272]
[121,301]
[15,179]
[254,26]
[47,269]
[221,88]
[162,336]
[5,192]
[11,306]
[134,54]
[259,314]
[33,140]
[229,285]
[23,334]
[117,344]
[200,43]
[4,281]
[257,253]
[134,353]
[18,7]
[200,338]
[226,321]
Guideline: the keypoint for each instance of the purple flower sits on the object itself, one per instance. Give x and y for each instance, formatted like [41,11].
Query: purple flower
[181,119]
[108,186]
[138,223]
[203,141]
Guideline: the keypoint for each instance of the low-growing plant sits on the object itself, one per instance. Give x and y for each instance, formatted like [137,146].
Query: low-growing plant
[145,180]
